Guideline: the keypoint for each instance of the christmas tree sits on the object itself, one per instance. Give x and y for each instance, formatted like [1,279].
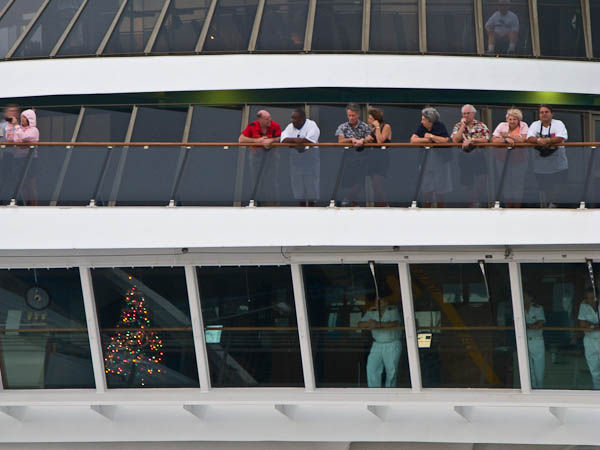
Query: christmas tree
[134,353]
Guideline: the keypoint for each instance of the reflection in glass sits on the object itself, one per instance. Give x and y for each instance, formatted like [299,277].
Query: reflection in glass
[43,334]
[91,27]
[561,28]
[149,173]
[507,27]
[134,28]
[231,26]
[338,25]
[15,20]
[595,19]
[356,329]
[465,326]
[85,166]
[48,29]
[55,125]
[559,312]
[250,325]
[145,327]
[450,26]
[209,174]
[283,25]
[394,26]
[181,28]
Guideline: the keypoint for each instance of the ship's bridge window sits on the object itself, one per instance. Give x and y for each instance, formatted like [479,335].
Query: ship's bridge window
[182,26]
[231,26]
[506,27]
[394,26]
[283,25]
[464,319]
[338,25]
[451,26]
[561,28]
[250,326]
[14,22]
[356,325]
[43,332]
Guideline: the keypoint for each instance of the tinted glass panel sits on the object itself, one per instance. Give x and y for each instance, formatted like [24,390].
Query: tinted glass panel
[43,332]
[595,13]
[561,315]
[450,26]
[561,28]
[15,20]
[593,189]
[85,164]
[250,321]
[465,327]
[357,332]
[181,28]
[91,27]
[231,26]
[149,173]
[135,26]
[43,174]
[507,27]
[338,25]
[283,25]
[145,326]
[209,174]
[394,26]
[48,29]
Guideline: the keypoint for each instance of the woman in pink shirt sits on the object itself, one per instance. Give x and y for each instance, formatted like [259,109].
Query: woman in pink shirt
[513,131]
[26,132]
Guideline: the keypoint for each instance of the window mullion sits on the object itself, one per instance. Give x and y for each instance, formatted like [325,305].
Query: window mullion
[191,278]
[520,326]
[303,328]
[410,329]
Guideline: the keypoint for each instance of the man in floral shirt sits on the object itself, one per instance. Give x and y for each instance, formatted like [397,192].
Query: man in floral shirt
[472,164]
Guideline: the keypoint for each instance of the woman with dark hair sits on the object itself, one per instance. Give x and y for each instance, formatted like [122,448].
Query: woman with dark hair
[378,158]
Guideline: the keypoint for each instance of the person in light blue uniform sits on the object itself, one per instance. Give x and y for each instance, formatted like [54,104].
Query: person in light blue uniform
[588,319]
[387,346]
[534,320]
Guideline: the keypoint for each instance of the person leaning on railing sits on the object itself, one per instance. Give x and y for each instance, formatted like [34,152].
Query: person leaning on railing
[378,158]
[25,131]
[437,178]
[550,163]
[513,131]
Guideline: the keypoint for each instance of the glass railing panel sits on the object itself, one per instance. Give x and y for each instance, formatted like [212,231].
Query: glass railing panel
[338,25]
[15,20]
[134,28]
[145,327]
[209,174]
[465,327]
[394,26]
[149,173]
[561,315]
[250,326]
[182,26]
[44,336]
[12,164]
[561,28]
[283,25]
[506,27]
[48,29]
[592,194]
[451,26]
[91,27]
[356,325]
[85,166]
[231,26]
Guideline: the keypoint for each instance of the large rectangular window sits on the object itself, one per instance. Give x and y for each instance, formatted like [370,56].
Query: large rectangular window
[14,21]
[465,325]
[44,341]
[338,25]
[145,325]
[356,325]
[394,26]
[182,26]
[450,26]
[231,26]
[561,28]
[250,325]
[283,25]
[506,27]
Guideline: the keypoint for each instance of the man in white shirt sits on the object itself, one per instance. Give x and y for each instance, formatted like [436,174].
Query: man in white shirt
[534,320]
[305,163]
[387,347]
[550,163]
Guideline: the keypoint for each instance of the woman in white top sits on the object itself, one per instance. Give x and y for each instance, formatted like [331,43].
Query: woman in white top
[588,319]
[550,163]
[513,131]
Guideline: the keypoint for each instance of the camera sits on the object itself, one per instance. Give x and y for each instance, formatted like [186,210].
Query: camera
[545,151]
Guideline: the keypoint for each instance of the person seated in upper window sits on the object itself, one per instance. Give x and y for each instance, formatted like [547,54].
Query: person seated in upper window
[513,131]
[437,178]
[502,25]
[471,160]
[550,163]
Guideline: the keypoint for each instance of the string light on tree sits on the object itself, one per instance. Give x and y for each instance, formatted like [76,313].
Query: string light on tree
[134,353]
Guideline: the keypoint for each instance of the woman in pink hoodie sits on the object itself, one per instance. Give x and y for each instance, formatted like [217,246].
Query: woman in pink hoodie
[27,133]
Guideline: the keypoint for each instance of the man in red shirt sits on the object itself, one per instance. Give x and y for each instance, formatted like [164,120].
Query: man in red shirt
[263,159]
